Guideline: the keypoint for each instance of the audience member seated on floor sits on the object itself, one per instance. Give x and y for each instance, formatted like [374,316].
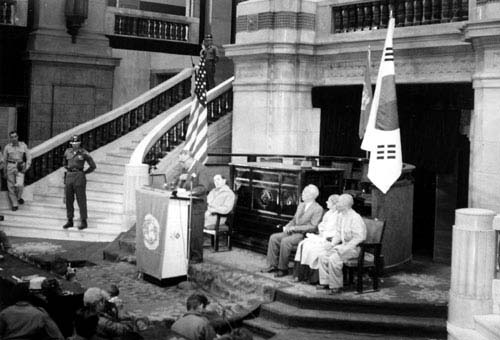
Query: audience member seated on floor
[309,249]
[350,231]
[86,320]
[4,242]
[22,320]
[193,325]
[60,307]
[108,327]
[306,220]
[219,200]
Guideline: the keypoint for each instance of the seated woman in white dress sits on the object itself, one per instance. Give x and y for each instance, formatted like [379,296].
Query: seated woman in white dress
[309,249]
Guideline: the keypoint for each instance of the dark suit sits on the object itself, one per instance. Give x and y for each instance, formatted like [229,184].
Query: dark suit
[198,182]
[281,244]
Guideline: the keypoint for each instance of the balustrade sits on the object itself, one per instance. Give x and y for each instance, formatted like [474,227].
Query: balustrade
[151,28]
[7,12]
[216,108]
[375,14]
[107,132]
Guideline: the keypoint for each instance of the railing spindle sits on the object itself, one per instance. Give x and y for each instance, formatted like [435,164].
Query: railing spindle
[445,11]
[409,15]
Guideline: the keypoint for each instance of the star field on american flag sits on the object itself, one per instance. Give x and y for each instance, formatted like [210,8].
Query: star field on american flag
[201,82]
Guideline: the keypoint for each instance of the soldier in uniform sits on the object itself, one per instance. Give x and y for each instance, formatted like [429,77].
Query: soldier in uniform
[211,58]
[75,181]
[18,159]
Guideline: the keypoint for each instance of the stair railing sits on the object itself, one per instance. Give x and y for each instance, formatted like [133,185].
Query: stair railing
[48,156]
[163,138]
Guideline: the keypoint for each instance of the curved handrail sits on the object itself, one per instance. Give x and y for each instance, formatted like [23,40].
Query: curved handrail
[113,114]
[48,156]
[176,117]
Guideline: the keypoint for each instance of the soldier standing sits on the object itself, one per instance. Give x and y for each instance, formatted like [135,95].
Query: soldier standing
[75,181]
[18,159]
[211,58]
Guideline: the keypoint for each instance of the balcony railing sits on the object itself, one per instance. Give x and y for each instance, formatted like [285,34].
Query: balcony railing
[151,28]
[220,102]
[13,12]
[375,14]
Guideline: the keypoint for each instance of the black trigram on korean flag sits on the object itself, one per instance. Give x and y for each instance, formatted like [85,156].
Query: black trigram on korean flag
[387,151]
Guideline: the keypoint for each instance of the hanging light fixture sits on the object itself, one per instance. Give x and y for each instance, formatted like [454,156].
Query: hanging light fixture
[76,13]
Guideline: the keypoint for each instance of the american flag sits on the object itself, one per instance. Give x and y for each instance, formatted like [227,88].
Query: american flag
[197,133]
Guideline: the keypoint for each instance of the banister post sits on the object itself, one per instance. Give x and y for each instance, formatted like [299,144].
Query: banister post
[136,175]
[472,266]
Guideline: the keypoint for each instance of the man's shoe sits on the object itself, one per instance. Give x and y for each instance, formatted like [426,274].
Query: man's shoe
[281,273]
[21,201]
[269,269]
[14,208]
[322,287]
[83,225]
[335,291]
[68,224]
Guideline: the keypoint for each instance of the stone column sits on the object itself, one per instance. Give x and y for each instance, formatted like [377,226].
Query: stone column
[484,172]
[472,266]
[69,83]
[274,75]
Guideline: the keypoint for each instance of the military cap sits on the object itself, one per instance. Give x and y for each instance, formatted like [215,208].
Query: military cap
[75,139]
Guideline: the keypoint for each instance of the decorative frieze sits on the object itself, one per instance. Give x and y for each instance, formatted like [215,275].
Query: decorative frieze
[276,20]
[408,69]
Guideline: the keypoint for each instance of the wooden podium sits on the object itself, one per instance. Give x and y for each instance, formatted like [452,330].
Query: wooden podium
[161,234]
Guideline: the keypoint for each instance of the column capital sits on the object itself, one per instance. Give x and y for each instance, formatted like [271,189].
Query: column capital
[482,33]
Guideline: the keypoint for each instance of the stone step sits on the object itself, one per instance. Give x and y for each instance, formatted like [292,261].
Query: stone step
[110,167]
[117,158]
[54,217]
[488,326]
[105,177]
[354,322]
[60,210]
[311,300]
[111,188]
[116,206]
[128,150]
[92,194]
[263,327]
[94,233]
[458,333]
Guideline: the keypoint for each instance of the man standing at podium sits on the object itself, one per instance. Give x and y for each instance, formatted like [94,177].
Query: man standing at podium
[193,177]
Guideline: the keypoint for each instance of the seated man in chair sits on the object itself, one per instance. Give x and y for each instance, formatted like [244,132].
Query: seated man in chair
[349,232]
[306,220]
[220,200]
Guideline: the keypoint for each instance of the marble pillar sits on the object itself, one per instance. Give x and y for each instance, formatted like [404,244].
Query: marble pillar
[472,266]
[274,75]
[484,172]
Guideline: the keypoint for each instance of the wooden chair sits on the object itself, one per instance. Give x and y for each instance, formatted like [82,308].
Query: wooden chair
[347,167]
[369,259]
[219,229]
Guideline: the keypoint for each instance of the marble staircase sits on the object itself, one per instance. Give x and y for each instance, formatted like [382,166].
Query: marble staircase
[44,211]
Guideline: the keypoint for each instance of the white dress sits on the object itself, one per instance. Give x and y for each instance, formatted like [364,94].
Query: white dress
[314,245]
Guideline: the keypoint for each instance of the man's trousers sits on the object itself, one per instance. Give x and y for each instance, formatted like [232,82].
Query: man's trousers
[330,267]
[15,184]
[280,247]
[76,184]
